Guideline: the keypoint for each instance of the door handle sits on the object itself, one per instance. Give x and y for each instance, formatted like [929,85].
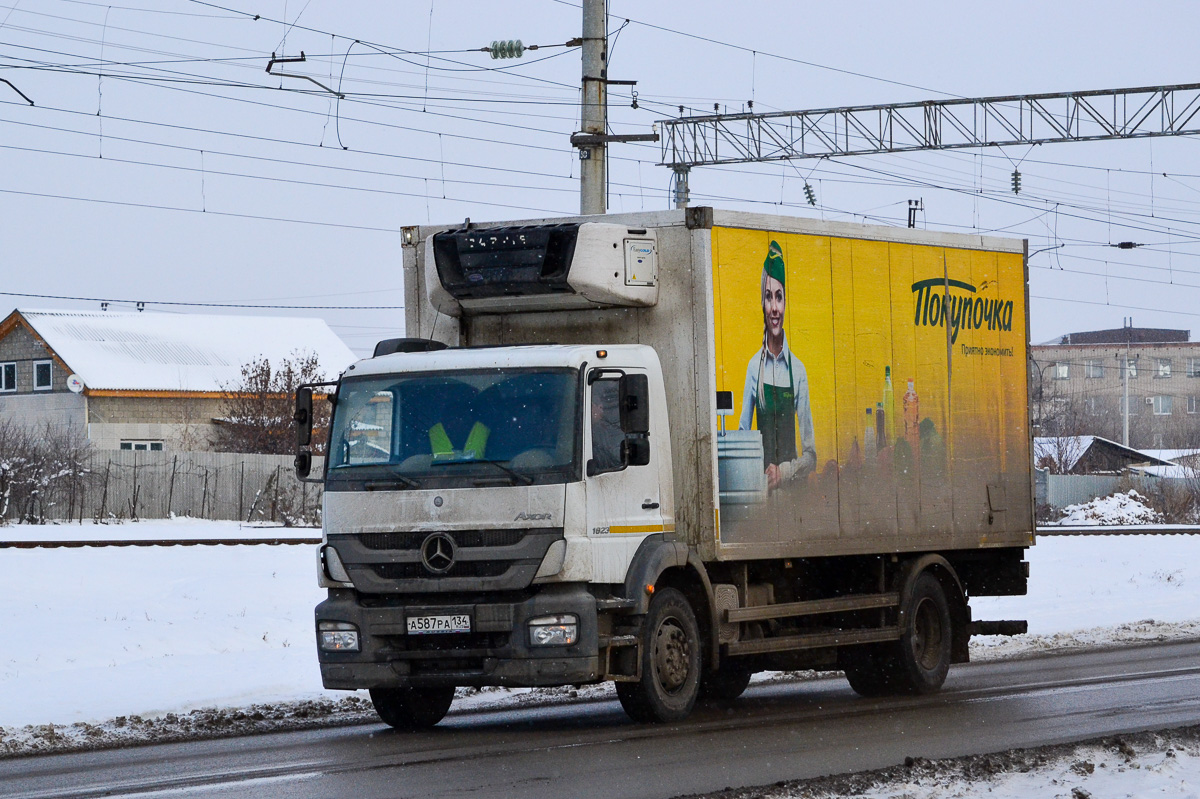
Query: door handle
[648,505]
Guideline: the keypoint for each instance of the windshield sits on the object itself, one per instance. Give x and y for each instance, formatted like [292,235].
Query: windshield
[437,429]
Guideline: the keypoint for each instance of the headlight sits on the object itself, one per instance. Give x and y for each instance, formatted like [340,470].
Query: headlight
[337,636]
[560,630]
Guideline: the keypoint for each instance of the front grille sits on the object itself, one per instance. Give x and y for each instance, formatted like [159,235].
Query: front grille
[493,560]
[448,644]
[462,538]
[415,571]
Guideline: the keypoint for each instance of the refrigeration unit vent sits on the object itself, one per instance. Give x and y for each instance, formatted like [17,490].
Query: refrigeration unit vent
[541,268]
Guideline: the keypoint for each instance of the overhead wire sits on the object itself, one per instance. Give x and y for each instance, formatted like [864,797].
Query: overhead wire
[194,304]
[898,178]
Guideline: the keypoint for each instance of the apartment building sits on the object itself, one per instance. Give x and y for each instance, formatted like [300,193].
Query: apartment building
[1079,384]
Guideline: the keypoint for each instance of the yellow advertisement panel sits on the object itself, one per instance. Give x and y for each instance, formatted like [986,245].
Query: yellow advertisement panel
[878,391]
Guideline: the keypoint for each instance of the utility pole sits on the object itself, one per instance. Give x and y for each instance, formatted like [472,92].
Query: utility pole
[593,139]
[593,157]
[1125,373]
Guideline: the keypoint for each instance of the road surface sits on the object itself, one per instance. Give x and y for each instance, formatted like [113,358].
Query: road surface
[589,748]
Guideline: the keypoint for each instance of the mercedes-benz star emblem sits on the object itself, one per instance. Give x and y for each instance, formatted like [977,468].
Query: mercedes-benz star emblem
[437,553]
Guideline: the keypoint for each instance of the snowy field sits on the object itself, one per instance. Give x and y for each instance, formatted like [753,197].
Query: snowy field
[114,644]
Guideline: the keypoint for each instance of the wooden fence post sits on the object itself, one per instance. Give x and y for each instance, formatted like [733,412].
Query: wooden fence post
[171,489]
[104,495]
[134,498]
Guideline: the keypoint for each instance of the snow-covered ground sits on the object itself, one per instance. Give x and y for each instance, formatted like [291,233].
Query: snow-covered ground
[112,644]
[181,529]
[1163,764]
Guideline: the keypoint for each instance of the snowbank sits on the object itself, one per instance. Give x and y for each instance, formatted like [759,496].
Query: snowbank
[1128,508]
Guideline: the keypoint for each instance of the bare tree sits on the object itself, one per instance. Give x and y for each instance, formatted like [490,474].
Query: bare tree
[40,469]
[257,412]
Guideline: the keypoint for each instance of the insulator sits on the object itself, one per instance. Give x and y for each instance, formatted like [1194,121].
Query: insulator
[1016,182]
[507,48]
[809,194]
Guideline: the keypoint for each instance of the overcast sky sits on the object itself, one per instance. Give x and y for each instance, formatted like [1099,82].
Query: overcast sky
[161,162]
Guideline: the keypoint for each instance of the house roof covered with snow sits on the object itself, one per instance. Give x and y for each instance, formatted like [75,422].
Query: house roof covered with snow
[178,352]
[1089,454]
[1174,455]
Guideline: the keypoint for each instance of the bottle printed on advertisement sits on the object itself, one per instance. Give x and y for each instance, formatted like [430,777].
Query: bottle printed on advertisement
[889,406]
[869,439]
[912,415]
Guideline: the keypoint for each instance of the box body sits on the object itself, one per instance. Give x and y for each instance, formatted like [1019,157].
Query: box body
[941,462]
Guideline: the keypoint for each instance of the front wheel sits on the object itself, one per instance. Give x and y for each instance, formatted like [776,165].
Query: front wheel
[411,708]
[670,661]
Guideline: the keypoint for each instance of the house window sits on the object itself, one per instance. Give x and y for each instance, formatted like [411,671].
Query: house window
[1061,370]
[142,446]
[1093,405]
[43,375]
[1130,367]
[1193,404]
[1134,402]
[1093,369]
[1164,367]
[8,377]
[1193,368]
[1162,404]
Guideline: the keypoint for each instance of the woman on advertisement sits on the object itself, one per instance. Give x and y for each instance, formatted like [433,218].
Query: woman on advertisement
[776,387]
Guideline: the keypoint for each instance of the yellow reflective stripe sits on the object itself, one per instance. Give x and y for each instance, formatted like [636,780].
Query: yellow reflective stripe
[635,528]
[476,441]
[439,442]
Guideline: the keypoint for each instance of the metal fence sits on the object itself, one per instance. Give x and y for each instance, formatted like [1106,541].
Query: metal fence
[1072,489]
[126,484]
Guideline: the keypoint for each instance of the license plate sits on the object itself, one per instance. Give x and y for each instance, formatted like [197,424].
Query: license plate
[458,623]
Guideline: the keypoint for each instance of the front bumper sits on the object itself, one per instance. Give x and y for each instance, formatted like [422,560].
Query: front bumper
[495,652]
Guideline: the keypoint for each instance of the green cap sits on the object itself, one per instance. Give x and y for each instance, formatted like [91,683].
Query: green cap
[773,266]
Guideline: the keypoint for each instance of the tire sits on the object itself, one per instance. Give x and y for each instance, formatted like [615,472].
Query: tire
[919,661]
[869,669]
[923,656]
[726,683]
[670,662]
[411,708]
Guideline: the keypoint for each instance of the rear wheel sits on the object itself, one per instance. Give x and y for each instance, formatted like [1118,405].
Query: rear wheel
[924,656]
[919,661]
[868,669]
[412,708]
[670,662]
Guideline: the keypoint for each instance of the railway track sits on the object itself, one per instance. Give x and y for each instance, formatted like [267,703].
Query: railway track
[1049,530]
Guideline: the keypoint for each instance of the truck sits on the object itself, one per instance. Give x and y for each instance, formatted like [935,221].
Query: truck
[670,450]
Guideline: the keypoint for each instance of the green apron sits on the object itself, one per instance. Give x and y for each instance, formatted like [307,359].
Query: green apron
[776,410]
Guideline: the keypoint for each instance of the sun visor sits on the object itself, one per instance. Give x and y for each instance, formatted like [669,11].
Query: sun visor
[541,268]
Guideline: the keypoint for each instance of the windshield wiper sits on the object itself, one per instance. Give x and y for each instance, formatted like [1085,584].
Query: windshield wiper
[396,479]
[523,479]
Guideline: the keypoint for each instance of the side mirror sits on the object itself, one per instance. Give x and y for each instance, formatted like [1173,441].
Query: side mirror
[303,464]
[304,416]
[635,451]
[635,405]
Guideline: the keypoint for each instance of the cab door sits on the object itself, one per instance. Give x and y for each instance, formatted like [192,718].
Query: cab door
[624,502]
